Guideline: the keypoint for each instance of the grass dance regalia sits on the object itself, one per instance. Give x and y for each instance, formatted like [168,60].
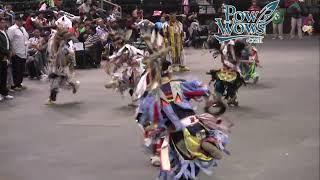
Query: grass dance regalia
[182,142]
[249,63]
[61,65]
[228,79]
[125,68]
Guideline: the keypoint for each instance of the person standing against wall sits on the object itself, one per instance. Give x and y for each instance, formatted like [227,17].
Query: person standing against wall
[277,22]
[19,42]
[4,56]
[297,10]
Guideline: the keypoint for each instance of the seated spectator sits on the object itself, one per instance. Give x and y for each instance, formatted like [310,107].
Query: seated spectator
[84,32]
[85,7]
[92,38]
[8,9]
[93,47]
[33,56]
[40,21]
[74,30]
[93,14]
[43,53]
[102,30]
[308,23]
[81,27]
[7,13]
[115,12]
[51,21]
[131,30]
[34,41]
[29,25]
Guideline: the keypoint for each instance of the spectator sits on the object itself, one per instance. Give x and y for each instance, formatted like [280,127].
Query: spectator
[19,41]
[43,44]
[43,6]
[4,56]
[93,14]
[102,30]
[254,6]
[34,41]
[93,47]
[85,7]
[159,23]
[34,56]
[116,13]
[212,27]
[29,25]
[131,29]
[40,21]
[309,20]
[84,31]
[296,10]
[8,9]
[140,14]
[277,22]
[74,30]
[51,21]
[135,13]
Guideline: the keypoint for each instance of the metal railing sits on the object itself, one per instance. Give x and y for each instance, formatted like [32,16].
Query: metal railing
[312,2]
[68,15]
[112,4]
[203,9]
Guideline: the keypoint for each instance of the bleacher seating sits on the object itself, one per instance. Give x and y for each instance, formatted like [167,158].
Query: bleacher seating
[21,6]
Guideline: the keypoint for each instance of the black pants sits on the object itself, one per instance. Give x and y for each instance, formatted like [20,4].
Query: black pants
[3,78]
[94,54]
[33,68]
[229,89]
[81,59]
[18,69]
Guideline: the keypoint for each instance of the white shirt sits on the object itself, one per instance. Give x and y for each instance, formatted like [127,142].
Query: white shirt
[7,38]
[19,40]
[34,41]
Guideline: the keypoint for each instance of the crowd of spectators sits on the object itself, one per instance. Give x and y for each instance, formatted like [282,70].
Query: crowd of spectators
[24,41]
[96,33]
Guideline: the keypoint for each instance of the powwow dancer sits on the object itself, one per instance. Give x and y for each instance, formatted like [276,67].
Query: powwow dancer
[174,38]
[125,68]
[183,141]
[228,79]
[249,61]
[61,65]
